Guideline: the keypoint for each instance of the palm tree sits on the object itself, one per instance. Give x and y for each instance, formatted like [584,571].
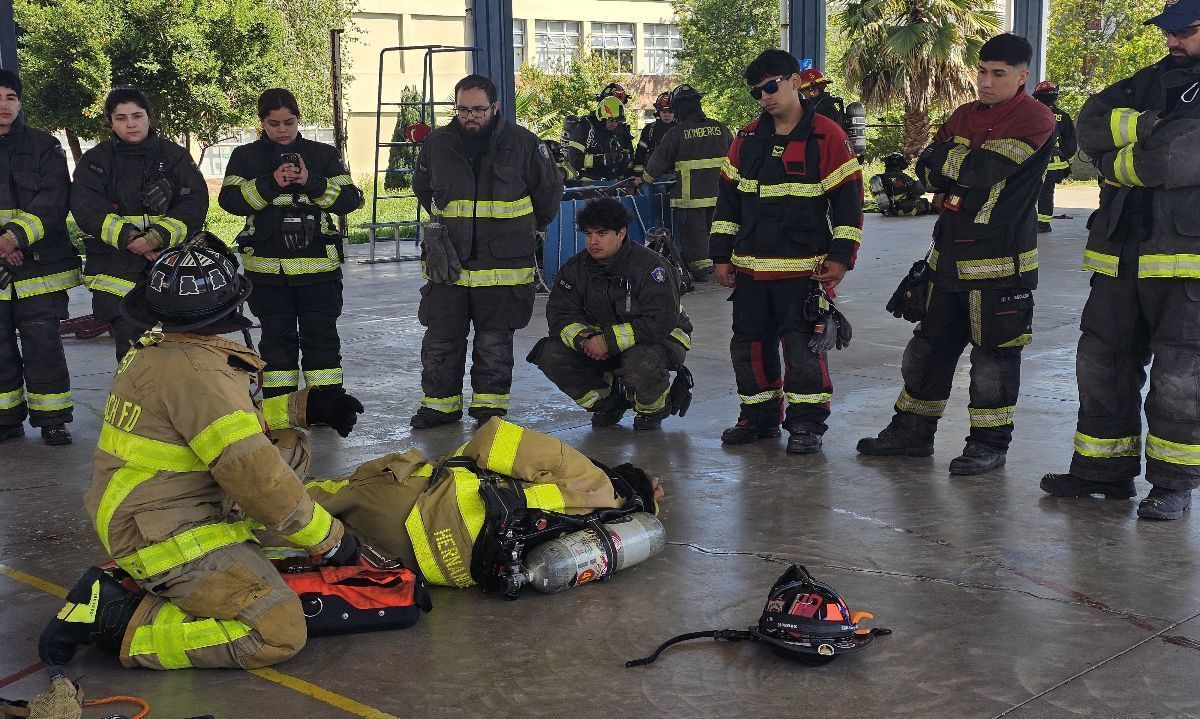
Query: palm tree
[920,54]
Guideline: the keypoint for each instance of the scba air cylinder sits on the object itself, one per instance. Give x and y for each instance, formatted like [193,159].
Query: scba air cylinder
[580,557]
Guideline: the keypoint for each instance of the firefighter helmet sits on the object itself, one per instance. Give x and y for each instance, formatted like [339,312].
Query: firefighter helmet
[662,102]
[613,89]
[189,286]
[610,108]
[895,162]
[1046,91]
[807,620]
[685,101]
[813,76]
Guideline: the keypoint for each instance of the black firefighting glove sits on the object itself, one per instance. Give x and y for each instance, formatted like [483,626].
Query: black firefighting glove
[344,554]
[333,407]
[825,335]
[441,259]
[679,397]
[6,275]
[911,297]
[844,331]
[156,196]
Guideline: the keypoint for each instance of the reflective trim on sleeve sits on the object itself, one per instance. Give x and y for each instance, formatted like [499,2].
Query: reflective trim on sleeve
[1124,170]
[1010,148]
[276,378]
[682,337]
[831,181]
[108,284]
[30,224]
[985,210]
[249,189]
[954,160]
[1123,124]
[846,232]
[724,227]
[333,190]
[110,229]
[223,432]
[623,333]
[315,531]
[1100,262]
[1103,448]
[571,332]
[176,229]
[275,412]
[729,171]
[545,496]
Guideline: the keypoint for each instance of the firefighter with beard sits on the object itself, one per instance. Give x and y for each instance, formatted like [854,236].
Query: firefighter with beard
[652,134]
[491,185]
[694,150]
[1144,132]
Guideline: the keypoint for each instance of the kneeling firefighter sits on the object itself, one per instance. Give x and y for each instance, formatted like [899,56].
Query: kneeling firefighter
[896,193]
[184,472]
[470,518]
[617,329]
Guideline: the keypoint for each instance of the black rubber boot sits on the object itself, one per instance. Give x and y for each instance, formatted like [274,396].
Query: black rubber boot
[744,432]
[651,420]
[11,431]
[56,435]
[977,459]
[803,442]
[1068,485]
[1043,228]
[897,441]
[426,418]
[483,414]
[97,611]
[1163,503]
[610,410]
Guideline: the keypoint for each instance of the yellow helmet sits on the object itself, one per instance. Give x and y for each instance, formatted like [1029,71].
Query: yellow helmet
[610,108]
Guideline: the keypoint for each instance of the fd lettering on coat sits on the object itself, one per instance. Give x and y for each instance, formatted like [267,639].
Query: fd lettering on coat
[121,414]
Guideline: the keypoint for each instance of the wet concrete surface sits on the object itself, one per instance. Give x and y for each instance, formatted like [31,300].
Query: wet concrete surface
[1003,601]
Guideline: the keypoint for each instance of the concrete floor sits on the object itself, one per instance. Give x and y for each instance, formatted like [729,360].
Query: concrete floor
[1003,601]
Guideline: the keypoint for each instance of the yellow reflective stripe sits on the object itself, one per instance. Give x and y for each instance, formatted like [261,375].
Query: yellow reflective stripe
[328,486]
[48,283]
[182,548]
[791,189]
[293,265]
[707,163]
[724,227]
[577,145]
[992,417]
[572,331]
[656,405]
[176,229]
[703,264]
[1172,452]
[778,264]
[985,210]
[503,452]
[1018,341]
[975,316]
[249,188]
[761,397]
[1169,266]
[420,542]
[838,176]
[846,232]
[50,402]
[729,171]
[315,531]
[1058,164]
[275,412]
[545,496]
[281,378]
[993,267]
[1011,148]
[333,190]
[223,432]
[82,613]
[954,160]
[1123,124]
[489,401]
[818,398]
[926,408]
[148,453]
[623,333]
[1100,262]
[933,259]
[124,480]
[494,209]
[505,277]
[8,400]
[110,229]
[29,223]
[322,377]
[588,400]
[682,337]
[470,501]
[1089,446]
[1123,167]
[109,284]
[1044,218]
[171,636]
[693,203]
[443,404]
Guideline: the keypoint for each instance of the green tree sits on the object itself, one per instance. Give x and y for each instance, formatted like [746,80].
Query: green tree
[1094,43]
[720,38]
[305,52]
[64,65]
[545,97]
[403,158]
[918,54]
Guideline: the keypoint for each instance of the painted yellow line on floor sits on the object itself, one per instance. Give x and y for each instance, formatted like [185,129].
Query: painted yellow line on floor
[347,705]
[296,684]
[42,584]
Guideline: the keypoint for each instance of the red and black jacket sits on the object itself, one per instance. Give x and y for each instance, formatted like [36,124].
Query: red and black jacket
[787,203]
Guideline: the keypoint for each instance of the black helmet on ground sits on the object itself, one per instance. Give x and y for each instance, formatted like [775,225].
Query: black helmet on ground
[190,286]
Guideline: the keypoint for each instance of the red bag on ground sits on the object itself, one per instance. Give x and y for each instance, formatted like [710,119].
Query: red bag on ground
[361,598]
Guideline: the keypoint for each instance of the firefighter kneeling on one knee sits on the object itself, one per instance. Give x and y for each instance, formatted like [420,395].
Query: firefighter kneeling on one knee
[184,473]
[616,325]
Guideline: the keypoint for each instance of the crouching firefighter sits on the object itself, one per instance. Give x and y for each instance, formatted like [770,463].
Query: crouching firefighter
[896,193]
[183,473]
[616,326]
[469,519]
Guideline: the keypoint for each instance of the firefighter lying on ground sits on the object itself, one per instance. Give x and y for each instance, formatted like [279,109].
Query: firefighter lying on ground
[896,193]
[616,326]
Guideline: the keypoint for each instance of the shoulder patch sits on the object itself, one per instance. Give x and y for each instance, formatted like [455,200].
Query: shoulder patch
[562,282]
[659,275]
[59,149]
[96,168]
[543,151]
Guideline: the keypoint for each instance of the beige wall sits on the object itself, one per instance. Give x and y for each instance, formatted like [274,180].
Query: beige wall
[390,23]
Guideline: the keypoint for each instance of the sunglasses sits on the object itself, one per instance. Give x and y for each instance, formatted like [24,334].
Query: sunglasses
[769,87]
[1182,33]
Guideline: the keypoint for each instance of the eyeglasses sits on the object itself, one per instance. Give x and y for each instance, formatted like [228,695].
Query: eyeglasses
[769,87]
[472,111]
[1182,33]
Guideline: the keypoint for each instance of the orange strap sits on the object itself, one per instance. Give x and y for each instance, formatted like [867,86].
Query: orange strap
[145,707]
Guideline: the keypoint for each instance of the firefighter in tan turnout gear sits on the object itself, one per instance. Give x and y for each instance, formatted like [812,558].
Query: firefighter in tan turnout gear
[183,474]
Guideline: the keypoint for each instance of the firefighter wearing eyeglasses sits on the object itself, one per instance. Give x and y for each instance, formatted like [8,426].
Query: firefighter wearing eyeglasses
[1144,133]
[490,185]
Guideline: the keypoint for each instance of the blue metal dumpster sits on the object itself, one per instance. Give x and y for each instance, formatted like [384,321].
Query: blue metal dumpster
[650,207]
